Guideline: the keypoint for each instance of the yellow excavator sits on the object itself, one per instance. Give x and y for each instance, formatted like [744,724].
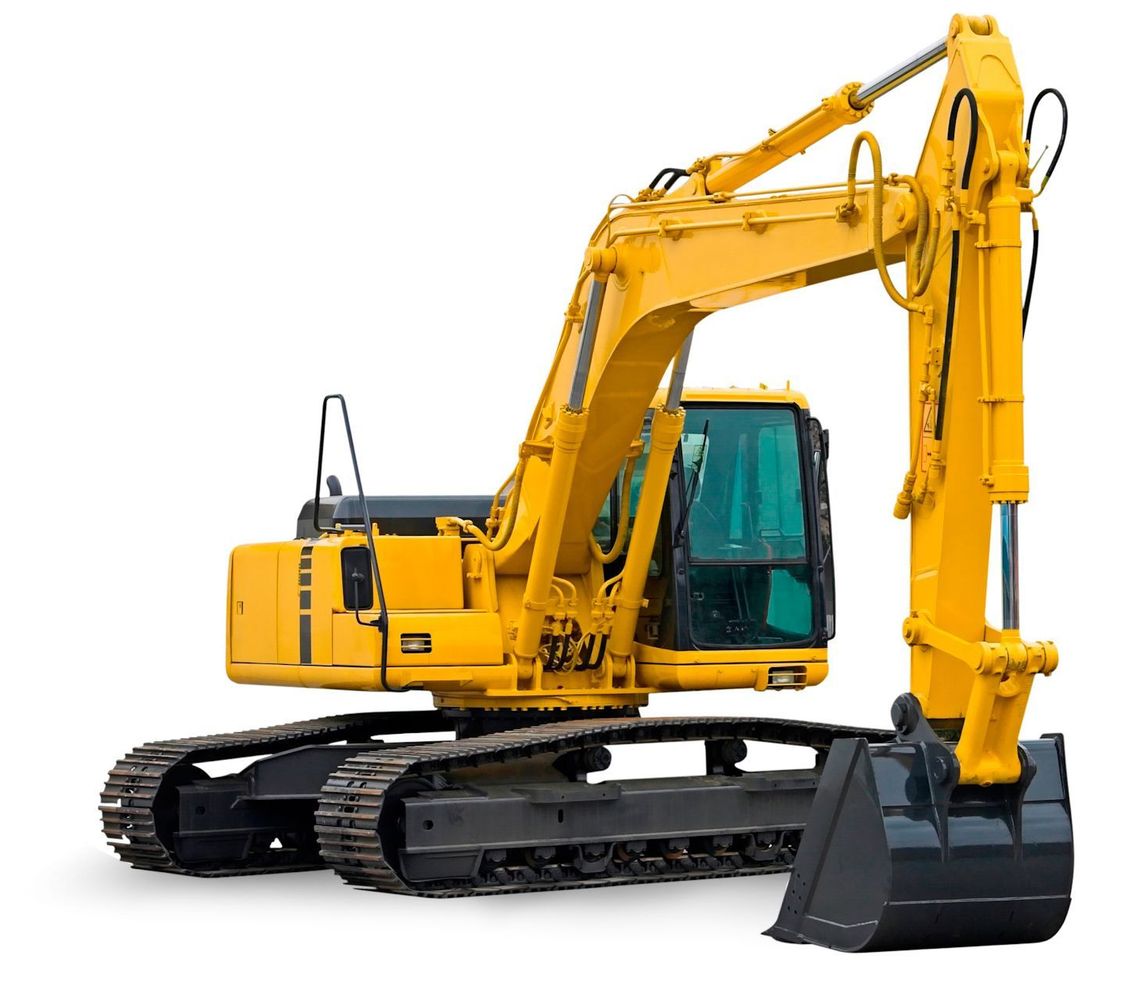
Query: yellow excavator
[652,538]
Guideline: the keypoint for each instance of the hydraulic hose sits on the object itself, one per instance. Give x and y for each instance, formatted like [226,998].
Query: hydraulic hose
[1031,275]
[966,95]
[509,514]
[1051,167]
[849,208]
[602,557]
[925,240]
[1062,129]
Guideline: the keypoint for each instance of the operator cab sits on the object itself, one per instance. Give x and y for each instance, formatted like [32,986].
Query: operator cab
[743,558]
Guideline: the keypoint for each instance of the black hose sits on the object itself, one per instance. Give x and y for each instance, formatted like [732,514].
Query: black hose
[951,303]
[1031,278]
[551,655]
[1062,129]
[674,172]
[1051,167]
[965,94]
[586,661]
[585,656]
[600,651]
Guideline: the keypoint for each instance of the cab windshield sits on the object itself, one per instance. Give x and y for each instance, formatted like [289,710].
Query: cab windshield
[749,572]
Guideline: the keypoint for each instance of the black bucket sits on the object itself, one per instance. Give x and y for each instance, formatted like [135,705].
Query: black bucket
[896,854]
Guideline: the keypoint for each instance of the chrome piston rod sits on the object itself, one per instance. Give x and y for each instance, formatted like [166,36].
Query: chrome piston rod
[588,341]
[899,75]
[1010,565]
[678,375]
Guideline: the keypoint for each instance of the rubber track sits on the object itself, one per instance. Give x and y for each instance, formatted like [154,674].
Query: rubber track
[349,811]
[128,798]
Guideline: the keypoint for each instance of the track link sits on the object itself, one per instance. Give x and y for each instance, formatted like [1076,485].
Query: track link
[133,798]
[357,839]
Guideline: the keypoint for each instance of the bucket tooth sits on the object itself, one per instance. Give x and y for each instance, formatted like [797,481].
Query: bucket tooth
[897,855]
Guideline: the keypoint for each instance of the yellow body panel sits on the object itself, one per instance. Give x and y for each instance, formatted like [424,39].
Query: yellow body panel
[695,670]
[282,592]
[469,638]
[464,681]
[252,615]
[429,572]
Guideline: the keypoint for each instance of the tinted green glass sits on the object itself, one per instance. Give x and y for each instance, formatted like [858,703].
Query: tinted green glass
[750,605]
[750,583]
[743,471]
[604,531]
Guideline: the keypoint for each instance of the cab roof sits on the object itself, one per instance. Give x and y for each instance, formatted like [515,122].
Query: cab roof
[736,394]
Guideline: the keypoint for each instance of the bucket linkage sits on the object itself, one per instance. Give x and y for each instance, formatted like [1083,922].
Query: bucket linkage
[897,854]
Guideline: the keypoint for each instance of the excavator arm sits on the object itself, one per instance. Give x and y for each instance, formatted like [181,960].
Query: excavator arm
[966,393]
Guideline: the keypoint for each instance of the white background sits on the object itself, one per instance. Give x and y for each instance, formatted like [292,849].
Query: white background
[213,213]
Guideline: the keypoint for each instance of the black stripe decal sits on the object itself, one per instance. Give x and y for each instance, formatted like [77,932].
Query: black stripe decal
[305,599]
[304,639]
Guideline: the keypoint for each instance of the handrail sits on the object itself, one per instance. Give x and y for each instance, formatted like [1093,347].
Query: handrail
[381,622]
